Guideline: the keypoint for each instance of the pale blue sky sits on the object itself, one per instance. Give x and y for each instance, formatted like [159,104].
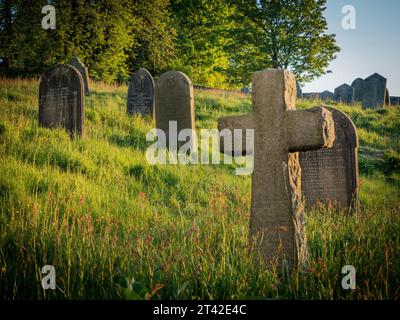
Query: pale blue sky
[374,46]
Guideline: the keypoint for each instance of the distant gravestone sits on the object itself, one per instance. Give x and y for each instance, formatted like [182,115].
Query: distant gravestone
[394,101]
[298,90]
[77,63]
[174,102]
[326,95]
[387,98]
[312,95]
[61,99]
[141,94]
[331,175]
[374,93]
[279,131]
[344,94]
[359,87]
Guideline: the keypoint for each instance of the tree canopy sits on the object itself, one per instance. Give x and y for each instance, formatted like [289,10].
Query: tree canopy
[218,43]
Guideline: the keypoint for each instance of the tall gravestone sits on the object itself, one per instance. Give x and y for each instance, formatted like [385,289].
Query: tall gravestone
[141,93]
[174,104]
[359,87]
[374,93]
[280,131]
[77,63]
[61,99]
[331,175]
[344,94]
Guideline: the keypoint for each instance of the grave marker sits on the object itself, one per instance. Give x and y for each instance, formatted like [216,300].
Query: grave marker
[344,94]
[61,99]
[174,102]
[331,175]
[77,63]
[359,87]
[280,132]
[141,93]
[374,93]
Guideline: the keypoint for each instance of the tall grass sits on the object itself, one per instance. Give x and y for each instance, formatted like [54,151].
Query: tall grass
[116,227]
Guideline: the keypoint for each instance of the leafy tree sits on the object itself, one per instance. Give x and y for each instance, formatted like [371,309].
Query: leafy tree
[289,34]
[202,38]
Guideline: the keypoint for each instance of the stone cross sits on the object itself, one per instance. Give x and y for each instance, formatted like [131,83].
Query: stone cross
[61,99]
[141,93]
[78,64]
[277,209]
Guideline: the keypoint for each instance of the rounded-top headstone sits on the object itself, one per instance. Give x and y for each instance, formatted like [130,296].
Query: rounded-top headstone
[78,64]
[141,93]
[359,87]
[344,94]
[174,101]
[331,175]
[61,99]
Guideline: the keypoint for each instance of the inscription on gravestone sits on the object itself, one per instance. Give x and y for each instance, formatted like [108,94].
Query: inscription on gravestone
[331,175]
[61,99]
[77,63]
[141,93]
[174,102]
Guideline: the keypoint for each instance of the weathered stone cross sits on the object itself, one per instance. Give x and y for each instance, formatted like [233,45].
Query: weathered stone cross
[276,223]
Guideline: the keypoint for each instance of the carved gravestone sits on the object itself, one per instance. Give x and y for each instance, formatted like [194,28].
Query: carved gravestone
[61,99]
[331,175]
[298,90]
[359,87]
[77,63]
[374,93]
[276,222]
[174,104]
[141,93]
[326,95]
[344,94]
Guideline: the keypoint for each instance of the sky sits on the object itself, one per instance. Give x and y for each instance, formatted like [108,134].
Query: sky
[373,46]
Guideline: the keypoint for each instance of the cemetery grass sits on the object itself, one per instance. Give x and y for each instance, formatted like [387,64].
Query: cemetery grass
[116,227]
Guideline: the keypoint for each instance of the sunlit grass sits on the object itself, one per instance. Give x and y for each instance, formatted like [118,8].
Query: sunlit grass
[116,227]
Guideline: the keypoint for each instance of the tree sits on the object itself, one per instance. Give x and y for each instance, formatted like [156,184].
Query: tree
[202,38]
[288,34]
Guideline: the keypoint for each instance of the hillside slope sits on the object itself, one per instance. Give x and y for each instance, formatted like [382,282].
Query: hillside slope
[116,227]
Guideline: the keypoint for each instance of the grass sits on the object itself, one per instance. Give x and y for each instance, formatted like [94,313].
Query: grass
[116,227]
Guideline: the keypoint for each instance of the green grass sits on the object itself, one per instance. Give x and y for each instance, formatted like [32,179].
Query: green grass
[116,227]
